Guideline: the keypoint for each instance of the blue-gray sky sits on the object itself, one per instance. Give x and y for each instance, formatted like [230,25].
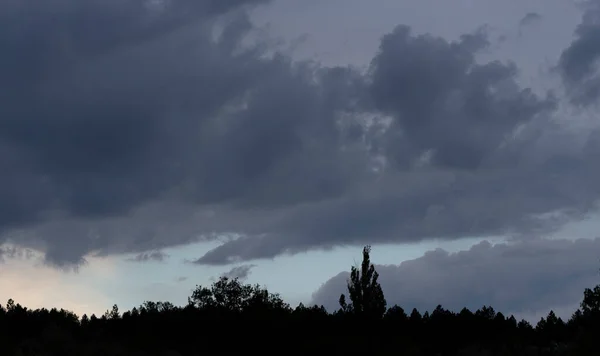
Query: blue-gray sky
[148,146]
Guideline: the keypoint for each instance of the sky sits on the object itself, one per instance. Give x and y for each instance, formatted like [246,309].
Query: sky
[149,146]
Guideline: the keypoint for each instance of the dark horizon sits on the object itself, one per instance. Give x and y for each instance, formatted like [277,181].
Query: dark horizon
[229,310]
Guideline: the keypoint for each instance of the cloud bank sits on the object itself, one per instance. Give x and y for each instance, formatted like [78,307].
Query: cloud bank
[525,278]
[135,125]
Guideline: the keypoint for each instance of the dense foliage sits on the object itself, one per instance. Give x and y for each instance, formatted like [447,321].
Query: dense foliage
[230,317]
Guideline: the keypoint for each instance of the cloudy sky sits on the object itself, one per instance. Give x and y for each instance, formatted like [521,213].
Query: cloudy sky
[147,146]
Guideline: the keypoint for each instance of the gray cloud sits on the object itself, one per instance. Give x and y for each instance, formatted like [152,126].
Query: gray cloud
[14,252]
[101,122]
[179,123]
[468,153]
[443,102]
[529,19]
[240,272]
[525,279]
[578,64]
[157,256]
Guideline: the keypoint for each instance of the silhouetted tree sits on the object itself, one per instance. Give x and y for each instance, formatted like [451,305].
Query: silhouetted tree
[591,300]
[396,313]
[364,290]
[113,313]
[231,295]
[415,316]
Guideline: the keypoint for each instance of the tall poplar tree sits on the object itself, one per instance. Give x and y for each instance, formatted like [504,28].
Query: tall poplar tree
[364,291]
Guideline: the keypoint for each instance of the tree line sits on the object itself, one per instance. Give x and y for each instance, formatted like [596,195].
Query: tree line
[230,317]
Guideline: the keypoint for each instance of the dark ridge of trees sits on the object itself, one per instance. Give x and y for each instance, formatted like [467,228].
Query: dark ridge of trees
[230,317]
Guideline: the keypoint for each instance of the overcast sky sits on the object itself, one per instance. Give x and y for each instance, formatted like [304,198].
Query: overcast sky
[147,146]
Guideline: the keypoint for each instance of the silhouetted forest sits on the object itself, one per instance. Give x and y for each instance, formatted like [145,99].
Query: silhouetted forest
[230,317]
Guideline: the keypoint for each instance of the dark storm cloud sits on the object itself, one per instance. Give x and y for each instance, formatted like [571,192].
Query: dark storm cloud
[157,256]
[442,101]
[578,63]
[469,153]
[131,126]
[97,94]
[90,121]
[240,272]
[111,104]
[523,278]
[434,203]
